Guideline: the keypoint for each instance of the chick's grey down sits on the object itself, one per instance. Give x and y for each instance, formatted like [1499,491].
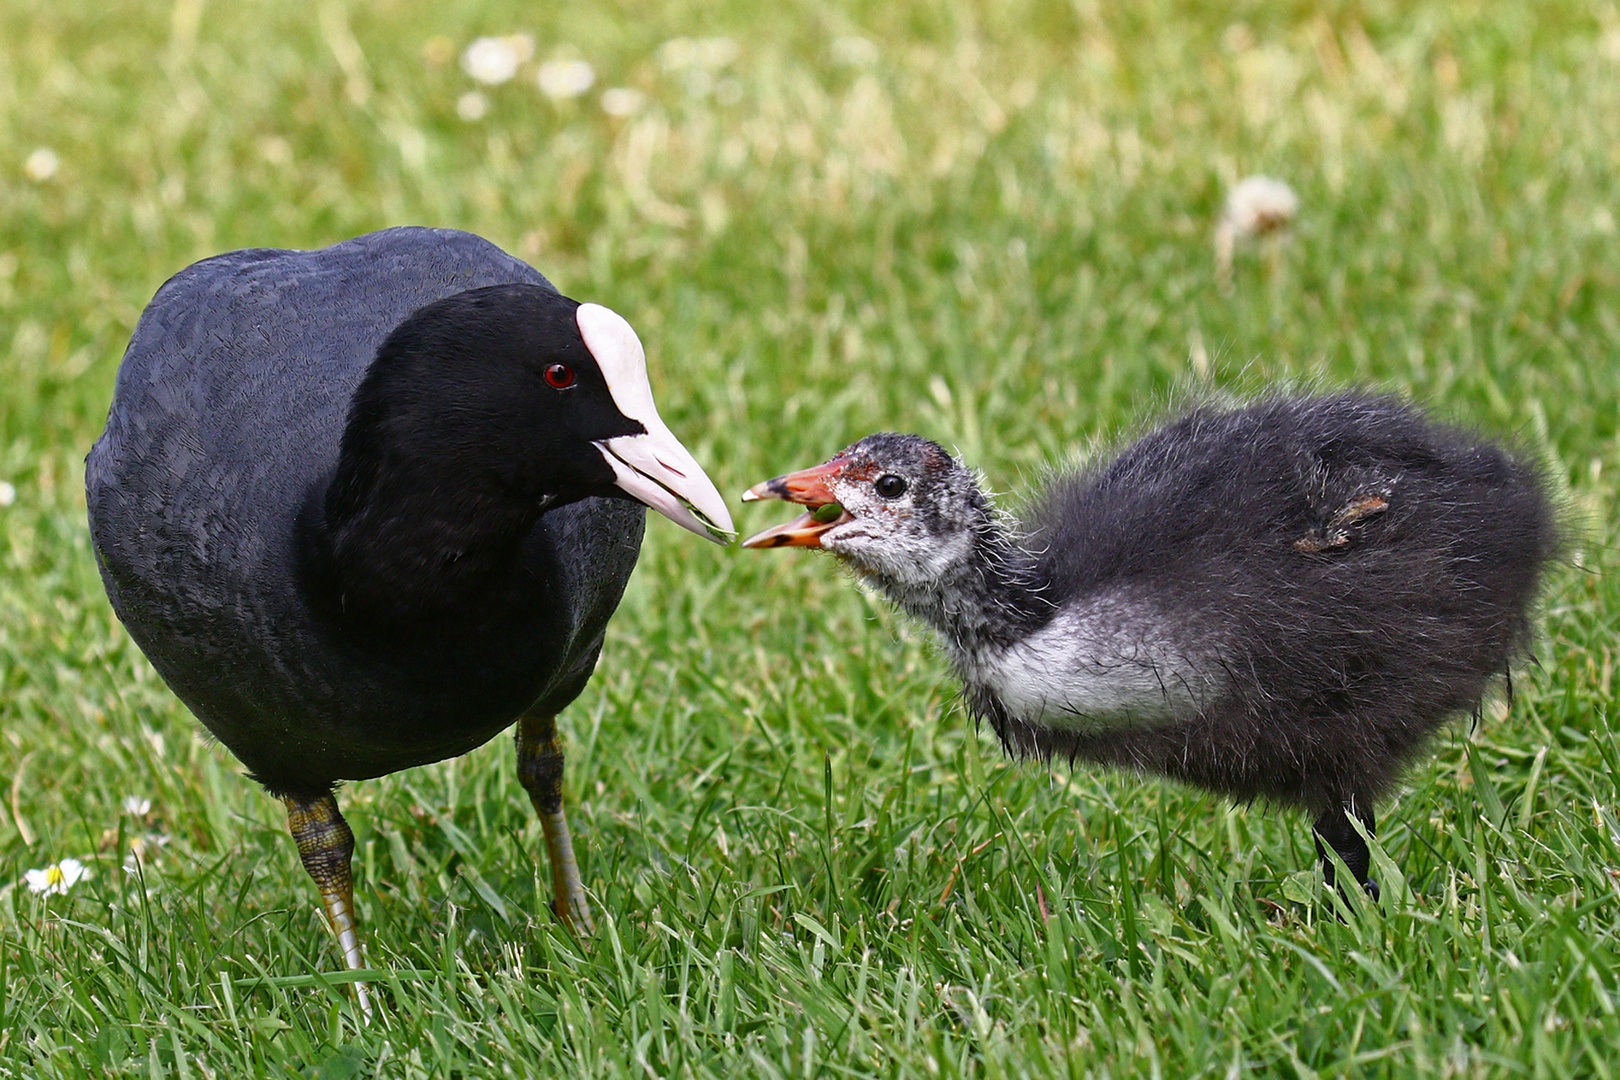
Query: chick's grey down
[203,492]
[1281,600]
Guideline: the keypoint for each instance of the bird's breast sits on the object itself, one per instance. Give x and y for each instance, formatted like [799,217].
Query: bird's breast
[1104,662]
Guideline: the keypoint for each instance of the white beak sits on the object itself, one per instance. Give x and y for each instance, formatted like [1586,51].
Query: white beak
[657,469]
[653,467]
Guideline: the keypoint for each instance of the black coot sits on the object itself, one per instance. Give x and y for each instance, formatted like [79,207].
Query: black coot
[365,507]
[1278,601]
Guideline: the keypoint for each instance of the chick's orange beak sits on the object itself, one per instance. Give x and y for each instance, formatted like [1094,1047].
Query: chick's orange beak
[808,487]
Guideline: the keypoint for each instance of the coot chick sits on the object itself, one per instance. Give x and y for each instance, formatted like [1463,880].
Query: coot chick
[1279,601]
[365,507]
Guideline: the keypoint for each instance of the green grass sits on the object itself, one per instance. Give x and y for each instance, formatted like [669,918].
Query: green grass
[996,231]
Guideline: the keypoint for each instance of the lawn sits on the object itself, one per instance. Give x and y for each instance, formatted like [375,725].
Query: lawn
[988,223]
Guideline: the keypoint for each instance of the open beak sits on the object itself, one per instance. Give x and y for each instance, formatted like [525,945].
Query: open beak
[807,487]
[659,471]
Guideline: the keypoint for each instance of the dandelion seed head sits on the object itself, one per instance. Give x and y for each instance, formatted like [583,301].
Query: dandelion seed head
[1259,205]
[494,60]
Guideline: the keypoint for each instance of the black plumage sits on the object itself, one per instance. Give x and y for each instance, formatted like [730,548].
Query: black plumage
[1278,601]
[364,507]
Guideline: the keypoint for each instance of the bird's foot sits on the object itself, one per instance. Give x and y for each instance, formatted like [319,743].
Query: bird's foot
[1335,833]
[540,770]
[568,891]
[325,847]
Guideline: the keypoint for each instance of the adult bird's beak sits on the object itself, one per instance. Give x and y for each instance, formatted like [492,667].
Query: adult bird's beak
[654,466]
[808,487]
[659,471]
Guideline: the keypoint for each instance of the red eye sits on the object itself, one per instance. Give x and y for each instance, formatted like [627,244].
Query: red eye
[560,376]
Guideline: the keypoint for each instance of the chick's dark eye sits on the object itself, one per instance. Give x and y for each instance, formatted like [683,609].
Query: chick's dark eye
[890,486]
[560,376]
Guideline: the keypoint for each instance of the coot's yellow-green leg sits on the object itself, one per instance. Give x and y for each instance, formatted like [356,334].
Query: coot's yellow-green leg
[540,771]
[325,846]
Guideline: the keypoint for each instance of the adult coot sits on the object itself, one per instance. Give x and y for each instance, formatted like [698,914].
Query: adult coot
[366,506]
[1278,601]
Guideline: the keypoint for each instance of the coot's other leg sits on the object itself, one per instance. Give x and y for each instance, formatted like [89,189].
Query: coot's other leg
[540,771]
[1333,829]
[325,846]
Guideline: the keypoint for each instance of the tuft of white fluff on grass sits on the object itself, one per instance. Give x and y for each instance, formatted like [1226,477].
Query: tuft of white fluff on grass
[495,60]
[561,79]
[1258,206]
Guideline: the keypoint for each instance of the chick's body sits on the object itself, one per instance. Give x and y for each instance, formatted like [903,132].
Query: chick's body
[1299,592]
[1282,600]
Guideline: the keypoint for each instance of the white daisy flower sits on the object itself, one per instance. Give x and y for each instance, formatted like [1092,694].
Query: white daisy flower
[136,806]
[561,79]
[143,848]
[8,493]
[56,878]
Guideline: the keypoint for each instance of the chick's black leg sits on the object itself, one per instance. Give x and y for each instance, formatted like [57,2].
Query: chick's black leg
[540,771]
[1334,830]
[325,846]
